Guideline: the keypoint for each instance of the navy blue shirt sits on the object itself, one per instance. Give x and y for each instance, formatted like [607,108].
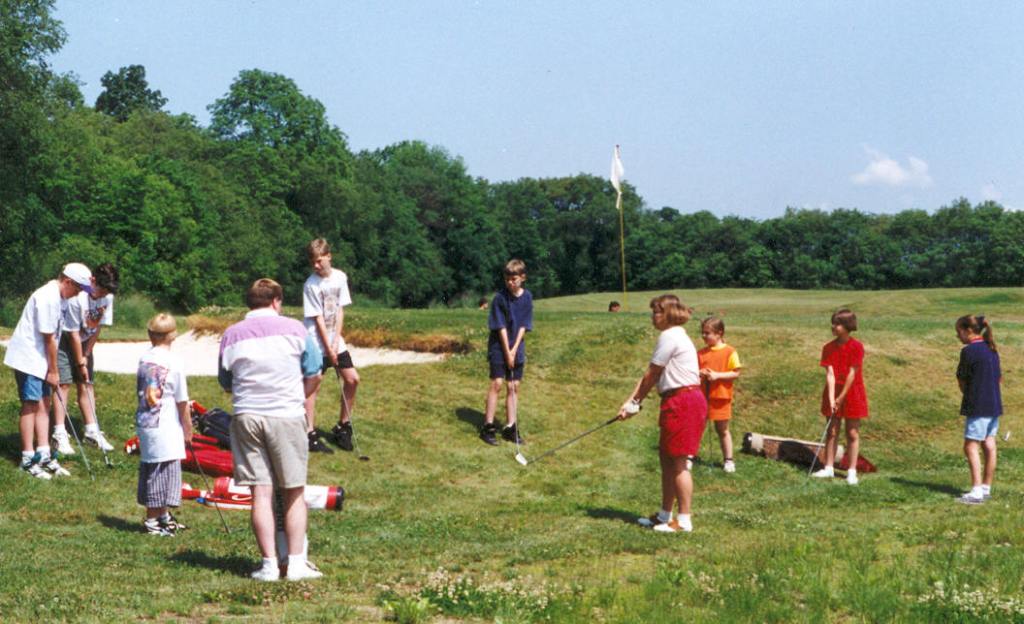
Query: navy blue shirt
[512,313]
[979,370]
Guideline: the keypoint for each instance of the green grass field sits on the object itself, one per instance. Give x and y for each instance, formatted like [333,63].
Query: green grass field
[440,527]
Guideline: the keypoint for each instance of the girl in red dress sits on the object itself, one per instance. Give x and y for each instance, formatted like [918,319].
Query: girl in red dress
[844,397]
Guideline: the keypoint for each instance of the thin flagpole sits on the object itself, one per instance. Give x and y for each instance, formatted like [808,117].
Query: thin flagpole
[622,246]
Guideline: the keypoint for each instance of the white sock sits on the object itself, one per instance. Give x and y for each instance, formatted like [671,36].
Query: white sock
[59,429]
[26,457]
[664,516]
[92,428]
[294,561]
[852,472]
[270,564]
[977,491]
[986,489]
[684,520]
[44,454]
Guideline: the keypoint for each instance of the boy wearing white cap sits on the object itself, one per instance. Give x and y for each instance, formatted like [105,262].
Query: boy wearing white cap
[32,353]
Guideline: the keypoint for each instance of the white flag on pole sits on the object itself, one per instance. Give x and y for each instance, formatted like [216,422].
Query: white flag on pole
[617,171]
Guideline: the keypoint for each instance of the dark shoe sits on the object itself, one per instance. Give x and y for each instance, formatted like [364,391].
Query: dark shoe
[341,435]
[316,445]
[488,433]
[511,433]
[171,523]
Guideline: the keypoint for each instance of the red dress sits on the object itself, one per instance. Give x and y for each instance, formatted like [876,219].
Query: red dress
[842,357]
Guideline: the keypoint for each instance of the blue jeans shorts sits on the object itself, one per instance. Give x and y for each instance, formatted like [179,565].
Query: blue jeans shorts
[978,428]
[30,387]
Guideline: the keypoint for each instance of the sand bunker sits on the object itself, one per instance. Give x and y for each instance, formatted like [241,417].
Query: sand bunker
[200,355]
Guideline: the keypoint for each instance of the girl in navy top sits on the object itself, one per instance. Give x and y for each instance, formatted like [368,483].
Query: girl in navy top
[979,377]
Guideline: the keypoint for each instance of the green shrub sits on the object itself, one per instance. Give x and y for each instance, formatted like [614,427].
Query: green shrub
[133,311]
[10,311]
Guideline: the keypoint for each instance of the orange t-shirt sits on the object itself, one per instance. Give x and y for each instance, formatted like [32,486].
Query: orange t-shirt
[721,358]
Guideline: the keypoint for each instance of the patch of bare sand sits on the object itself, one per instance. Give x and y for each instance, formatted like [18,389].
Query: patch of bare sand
[200,355]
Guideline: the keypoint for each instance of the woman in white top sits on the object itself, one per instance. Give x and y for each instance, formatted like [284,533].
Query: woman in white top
[674,370]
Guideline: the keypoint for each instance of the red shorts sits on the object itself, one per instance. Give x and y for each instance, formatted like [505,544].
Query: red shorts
[682,422]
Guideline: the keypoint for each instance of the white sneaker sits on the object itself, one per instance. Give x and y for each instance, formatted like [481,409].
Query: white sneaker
[825,473]
[651,521]
[304,572]
[63,444]
[851,478]
[266,574]
[674,526]
[98,440]
[970,499]
[729,466]
[36,471]
[54,467]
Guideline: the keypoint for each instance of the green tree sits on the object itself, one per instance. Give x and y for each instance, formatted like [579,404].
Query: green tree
[127,91]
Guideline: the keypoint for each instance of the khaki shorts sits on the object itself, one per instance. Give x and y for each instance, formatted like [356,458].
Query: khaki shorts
[269,451]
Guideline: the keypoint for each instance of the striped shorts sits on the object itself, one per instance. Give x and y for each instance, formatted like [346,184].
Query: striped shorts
[159,484]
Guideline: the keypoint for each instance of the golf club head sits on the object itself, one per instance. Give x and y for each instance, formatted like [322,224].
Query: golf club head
[364,458]
[522,459]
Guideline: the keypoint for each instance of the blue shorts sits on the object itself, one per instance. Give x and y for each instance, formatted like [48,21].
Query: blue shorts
[500,371]
[980,427]
[30,387]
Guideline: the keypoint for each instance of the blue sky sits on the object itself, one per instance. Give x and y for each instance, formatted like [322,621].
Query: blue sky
[739,108]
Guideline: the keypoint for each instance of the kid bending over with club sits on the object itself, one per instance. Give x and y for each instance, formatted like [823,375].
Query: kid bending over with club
[83,319]
[719,367]
[673,369]
[164,426]
[979,376]
[511,316]
[324,297]
[844,397]
[32,353]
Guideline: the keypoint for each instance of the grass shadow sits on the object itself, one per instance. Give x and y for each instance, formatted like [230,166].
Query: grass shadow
[934,487]
[119,524]
[607,513]
[471,416]
[239,566]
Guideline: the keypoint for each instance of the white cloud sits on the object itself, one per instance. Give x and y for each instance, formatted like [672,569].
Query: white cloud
[885,171]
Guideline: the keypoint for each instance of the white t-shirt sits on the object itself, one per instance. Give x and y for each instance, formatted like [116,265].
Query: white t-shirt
[42,315]
[325,296]
[91,313]
[160,378]
[675,351]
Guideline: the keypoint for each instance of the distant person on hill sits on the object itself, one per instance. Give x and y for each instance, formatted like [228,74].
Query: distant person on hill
[674,371]
[481,303]
[614,306]
[83,319]
[844,397]
[511,316]
[979,376]
[163,423]
[719,368]
[270,364]
[32,353]
[324,297]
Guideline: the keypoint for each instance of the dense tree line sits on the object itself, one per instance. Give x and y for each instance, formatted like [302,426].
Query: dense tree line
[191,214]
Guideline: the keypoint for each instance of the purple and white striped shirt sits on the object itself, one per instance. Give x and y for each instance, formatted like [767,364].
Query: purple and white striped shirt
[263,360]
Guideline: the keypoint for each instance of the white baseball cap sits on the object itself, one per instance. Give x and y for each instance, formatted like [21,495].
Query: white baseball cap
[79,274]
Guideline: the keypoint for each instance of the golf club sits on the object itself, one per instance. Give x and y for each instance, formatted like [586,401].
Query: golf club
[515,430]
[206,484]
[706,387]
[524,461]
[348,410]
[96,418]
[74,432]
[821,445]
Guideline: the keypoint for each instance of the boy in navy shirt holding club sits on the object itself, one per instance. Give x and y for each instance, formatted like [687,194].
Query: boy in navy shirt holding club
[511,316]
